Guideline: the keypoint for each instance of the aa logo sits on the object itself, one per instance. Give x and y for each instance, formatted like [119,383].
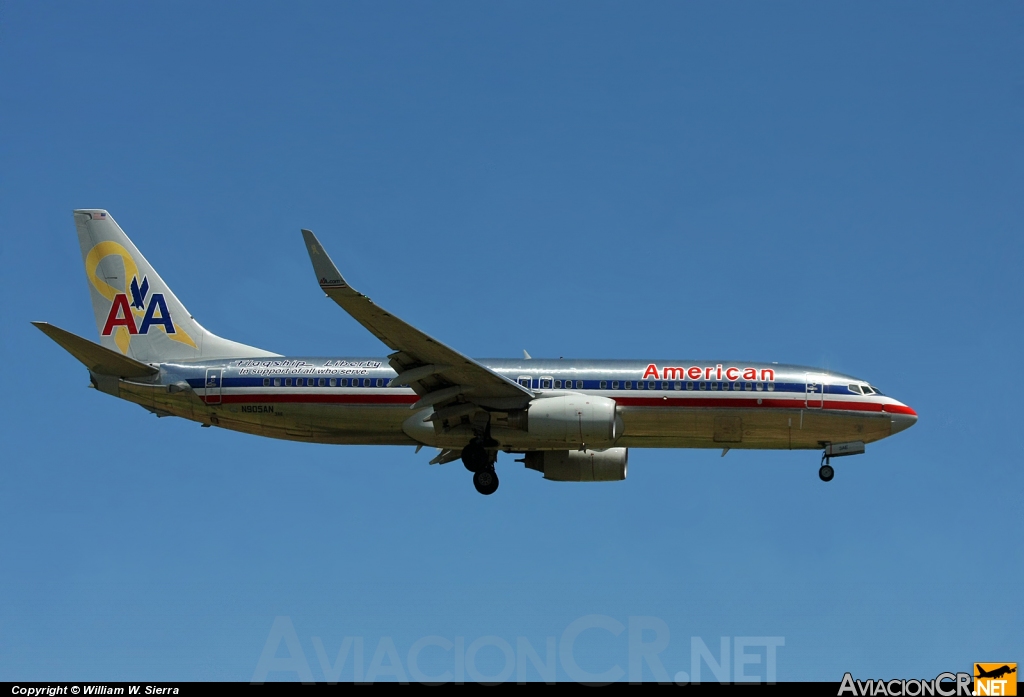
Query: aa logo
[995,678]
[134,310]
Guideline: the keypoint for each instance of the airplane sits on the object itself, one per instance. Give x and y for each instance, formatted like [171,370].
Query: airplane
[570,420]
[996,673]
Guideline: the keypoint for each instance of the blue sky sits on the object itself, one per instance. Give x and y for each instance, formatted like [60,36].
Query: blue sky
[834,185]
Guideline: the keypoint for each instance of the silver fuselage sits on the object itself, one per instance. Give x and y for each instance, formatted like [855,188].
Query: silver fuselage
[348,401]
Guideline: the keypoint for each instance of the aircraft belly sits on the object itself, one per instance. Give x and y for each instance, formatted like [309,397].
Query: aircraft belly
[315,423]
[319,423]
[159,399]
[681,427]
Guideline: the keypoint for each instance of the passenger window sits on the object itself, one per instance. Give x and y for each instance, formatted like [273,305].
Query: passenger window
[748,386]
[545,383]
[604,384]
[760,386]
[652,385]
[664,386]
[287,382]
[678,385]
[343,382]
[321,382]
[615,384]
[771,386]
[524,381]
[277,382]
[714,385]
[558,384]
[689,385]
[266,382]
[380,382]
[579,384]
[334,382]
[629,384]
[703,386]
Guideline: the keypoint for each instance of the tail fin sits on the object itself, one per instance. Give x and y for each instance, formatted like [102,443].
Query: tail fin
[137,314]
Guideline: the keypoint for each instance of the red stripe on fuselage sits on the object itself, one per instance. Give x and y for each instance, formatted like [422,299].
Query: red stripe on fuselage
[649,402]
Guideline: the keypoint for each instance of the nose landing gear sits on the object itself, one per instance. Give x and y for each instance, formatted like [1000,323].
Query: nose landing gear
[826,473]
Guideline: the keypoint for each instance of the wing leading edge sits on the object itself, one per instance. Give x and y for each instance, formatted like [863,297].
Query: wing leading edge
[436,372]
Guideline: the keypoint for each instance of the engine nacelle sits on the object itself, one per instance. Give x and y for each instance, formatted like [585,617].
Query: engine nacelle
[580,466]
[574,419]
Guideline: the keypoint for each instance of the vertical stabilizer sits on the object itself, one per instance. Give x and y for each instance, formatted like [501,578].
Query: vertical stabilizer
[137,314]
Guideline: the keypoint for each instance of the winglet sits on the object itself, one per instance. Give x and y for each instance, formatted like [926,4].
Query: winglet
[326,272]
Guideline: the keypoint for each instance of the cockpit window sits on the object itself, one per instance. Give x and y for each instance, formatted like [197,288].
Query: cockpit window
[876,390]
[854,388]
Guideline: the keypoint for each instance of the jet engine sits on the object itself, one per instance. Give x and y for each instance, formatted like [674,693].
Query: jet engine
[580,466]
[574,419]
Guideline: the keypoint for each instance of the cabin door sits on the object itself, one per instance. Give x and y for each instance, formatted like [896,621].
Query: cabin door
[213,380]
[814,391]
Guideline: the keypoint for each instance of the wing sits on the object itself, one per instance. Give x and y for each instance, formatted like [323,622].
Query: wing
[438,373]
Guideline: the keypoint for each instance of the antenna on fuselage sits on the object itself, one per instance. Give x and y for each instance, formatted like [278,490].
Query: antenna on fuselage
[527,356]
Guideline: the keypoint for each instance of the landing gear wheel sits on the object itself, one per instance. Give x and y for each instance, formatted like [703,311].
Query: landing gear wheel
[475,456]
[826,473]
[486,481]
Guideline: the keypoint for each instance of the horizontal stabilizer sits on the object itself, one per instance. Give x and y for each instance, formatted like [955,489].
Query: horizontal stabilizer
[96,358]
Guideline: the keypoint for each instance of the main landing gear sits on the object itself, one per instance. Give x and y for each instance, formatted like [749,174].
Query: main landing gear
[486,481]
[480,462]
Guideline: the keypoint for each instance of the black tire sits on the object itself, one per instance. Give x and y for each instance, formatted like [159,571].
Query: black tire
[826,473]
[475,457]
[486,481]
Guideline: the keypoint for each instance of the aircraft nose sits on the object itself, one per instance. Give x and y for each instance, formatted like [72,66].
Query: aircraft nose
[903,418]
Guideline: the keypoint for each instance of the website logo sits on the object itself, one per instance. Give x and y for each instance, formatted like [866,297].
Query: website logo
[995,678]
